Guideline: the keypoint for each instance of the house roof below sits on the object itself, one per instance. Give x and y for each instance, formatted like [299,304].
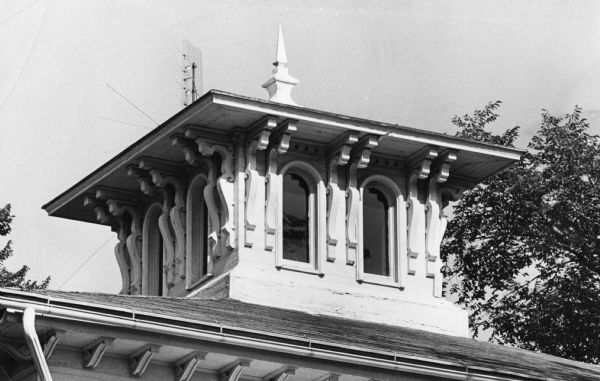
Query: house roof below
[288,328]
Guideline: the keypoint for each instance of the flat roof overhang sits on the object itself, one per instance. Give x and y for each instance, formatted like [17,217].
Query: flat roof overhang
[226,112]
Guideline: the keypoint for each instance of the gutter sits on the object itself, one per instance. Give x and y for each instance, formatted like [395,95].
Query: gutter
[33,343]
[267,342]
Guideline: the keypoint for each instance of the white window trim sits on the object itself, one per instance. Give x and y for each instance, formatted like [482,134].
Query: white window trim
[146,249]
[317,219]
[199,180]
[397,233]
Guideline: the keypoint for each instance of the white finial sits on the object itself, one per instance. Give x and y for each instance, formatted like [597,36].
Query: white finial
[281,54]
[281,83]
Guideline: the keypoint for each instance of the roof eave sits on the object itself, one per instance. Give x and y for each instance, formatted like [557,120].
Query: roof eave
[284,111]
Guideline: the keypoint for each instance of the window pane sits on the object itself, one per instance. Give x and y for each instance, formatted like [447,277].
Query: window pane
[375,233]
[295,218]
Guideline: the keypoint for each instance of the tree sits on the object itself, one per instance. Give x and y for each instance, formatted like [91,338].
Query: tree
[523,249]
[8,278]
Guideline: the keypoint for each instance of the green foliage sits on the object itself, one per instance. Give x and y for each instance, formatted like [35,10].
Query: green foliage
[523,248]
[17,278]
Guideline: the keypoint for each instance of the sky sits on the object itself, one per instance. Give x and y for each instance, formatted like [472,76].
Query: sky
[67,67]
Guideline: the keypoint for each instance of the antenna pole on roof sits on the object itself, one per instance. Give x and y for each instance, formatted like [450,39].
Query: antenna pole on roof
[192,70]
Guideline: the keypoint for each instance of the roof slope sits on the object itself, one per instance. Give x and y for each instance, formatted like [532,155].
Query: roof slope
[420,346]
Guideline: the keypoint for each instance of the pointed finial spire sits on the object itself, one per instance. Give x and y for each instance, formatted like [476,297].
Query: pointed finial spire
[281,54]
[281,83]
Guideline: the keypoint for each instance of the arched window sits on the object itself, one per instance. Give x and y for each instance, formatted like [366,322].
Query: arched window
[297,205]
[376,232]
[301,226]
[381,251]
[198,258]
[153,250]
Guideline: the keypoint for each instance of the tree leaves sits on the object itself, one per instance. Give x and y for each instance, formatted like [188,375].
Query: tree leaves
[524,246]
[17,278]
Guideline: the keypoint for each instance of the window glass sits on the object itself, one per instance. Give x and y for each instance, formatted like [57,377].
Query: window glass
[155,253]
[375,233]
[295,218]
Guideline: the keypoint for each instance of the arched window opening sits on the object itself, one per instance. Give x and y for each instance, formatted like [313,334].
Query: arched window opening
[198,229]
[154,251]
[296,218]
[376,232]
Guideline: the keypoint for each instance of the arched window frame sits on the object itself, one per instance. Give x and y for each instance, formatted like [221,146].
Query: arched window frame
[397,233]
[317,219]
[151,231]
[195,197]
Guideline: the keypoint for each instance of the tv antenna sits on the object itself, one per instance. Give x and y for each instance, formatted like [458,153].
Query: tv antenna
[191,69]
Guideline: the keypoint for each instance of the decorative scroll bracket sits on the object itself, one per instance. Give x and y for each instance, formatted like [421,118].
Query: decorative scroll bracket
[133,239]
[279,145]
[361,156]
[225,188]
[139,361]
[186,366]
[281,374]
[233,371]
[117,226]
[420,163]
[92,354]
[259,141]
[436,222]
[194,158]
[52,339]
[143,178]
[189,149]
[336,211]
[176,215]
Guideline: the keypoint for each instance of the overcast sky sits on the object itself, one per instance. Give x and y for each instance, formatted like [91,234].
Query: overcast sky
[415,63]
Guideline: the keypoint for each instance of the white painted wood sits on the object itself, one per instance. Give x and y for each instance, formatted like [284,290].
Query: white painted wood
[281,83]
[225,188]
[338,294]
[139,360]
[93,353]
[416,224]
[393,195]
[177,217]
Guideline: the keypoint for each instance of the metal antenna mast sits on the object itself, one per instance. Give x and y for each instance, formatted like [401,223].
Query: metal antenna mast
[192,73]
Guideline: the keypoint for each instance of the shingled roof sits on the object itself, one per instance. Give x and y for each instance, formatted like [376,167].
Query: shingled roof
[299,328]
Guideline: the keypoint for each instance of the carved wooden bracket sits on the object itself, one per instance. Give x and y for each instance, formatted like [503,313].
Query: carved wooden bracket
[186,366]
[176,215]
[420,162]
[225,188]
[139,360]
[416,223]
[339,155]
[360,157]
[279,145]
[189,149]
[133,239]
[361,153]
[118,226]
[281,374]
[259,140]
[51,340]
[233,371]
[352,205]
[436,222]
[143,178]
[93,353]
[99,207]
